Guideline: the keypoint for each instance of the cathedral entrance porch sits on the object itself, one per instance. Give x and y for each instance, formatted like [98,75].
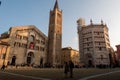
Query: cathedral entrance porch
[13,60]
[30,57]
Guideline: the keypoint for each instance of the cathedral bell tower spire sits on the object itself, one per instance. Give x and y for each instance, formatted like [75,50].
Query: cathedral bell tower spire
[55,37]
[56,5]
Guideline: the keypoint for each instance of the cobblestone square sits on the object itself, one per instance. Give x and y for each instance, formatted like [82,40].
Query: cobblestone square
[58,74]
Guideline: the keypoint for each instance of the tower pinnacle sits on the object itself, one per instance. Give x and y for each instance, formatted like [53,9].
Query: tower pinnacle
[0,2]
[56,5]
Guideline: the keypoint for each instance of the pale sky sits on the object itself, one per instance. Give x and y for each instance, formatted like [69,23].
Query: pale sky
[36,12]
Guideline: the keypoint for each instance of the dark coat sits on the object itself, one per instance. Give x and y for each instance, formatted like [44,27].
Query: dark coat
[71,65]
[66,70]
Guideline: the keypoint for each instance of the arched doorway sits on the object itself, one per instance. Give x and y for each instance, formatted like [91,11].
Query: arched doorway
[89,60]
[30,58]
[41,62]
[13,60]
[90,63]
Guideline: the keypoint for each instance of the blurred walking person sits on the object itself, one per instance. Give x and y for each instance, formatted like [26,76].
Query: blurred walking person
[71,66]
[3,67]
[66,69]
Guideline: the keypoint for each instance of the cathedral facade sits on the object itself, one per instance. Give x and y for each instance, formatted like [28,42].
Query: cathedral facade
[27,46]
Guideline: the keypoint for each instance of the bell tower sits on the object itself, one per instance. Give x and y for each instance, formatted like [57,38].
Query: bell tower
[55,36]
